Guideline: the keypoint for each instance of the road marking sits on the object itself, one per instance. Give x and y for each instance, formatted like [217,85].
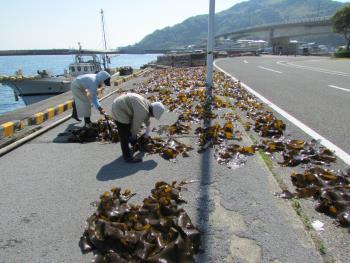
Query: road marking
[279,72]
[321,70]
[337,151]
[336,87]
[245,61]
[313,60]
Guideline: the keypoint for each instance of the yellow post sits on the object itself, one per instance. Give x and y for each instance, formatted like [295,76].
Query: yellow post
[39,118]
[8,128]
[69,104]
[60,108]
[50,113]
[21,124]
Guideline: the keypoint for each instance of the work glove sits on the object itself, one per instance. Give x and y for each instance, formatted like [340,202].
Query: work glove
[107,82]
[147,132]
[102,111]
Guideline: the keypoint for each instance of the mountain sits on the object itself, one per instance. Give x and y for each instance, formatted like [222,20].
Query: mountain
[245,14]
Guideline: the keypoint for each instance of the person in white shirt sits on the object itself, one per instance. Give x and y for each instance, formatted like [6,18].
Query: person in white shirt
[90,83]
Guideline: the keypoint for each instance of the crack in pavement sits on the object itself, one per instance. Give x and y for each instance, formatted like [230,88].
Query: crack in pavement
[243,248]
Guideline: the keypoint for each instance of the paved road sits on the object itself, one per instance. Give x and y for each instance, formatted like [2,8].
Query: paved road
[47,186]
[314,90]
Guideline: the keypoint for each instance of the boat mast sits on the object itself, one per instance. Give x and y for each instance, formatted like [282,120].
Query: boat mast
[105,58]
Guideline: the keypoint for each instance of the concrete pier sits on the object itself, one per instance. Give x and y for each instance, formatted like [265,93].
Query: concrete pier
[48,188]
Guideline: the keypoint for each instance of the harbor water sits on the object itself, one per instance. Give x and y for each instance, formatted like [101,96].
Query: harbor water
[55,65]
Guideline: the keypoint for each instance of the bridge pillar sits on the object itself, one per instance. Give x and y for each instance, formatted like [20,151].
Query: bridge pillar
[282,46]
[270,37]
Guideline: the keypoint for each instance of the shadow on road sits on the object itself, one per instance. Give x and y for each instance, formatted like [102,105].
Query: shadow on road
[119,169]
[204,206]
[204,202]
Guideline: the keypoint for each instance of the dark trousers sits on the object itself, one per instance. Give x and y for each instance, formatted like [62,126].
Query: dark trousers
[124,134]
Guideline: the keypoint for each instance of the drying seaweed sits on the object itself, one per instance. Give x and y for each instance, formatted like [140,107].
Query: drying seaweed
[330,189]
[84,134]
[216,135]
[168,149]
[183,91]
[175,128]
[156,231]
[268,126]
[233,155]
[296,152]
[103,130]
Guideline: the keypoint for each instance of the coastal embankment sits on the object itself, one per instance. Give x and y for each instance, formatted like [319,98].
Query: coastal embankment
[29,52]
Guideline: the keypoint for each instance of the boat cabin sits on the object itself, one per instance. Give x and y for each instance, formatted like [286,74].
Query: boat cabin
[85,64]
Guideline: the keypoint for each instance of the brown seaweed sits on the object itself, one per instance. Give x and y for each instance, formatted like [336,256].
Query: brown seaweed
[296,152]
[168,149]
[183,91]
[103,130]
[330,189]
[156,231]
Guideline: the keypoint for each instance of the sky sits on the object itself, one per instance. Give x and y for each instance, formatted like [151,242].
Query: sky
[41,24]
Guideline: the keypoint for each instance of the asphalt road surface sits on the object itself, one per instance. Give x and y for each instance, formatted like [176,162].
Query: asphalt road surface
[314,90]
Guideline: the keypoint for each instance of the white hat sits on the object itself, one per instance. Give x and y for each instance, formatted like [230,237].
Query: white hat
[157,109]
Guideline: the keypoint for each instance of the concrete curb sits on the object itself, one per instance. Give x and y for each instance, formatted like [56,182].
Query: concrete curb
[49,113]
[7,129]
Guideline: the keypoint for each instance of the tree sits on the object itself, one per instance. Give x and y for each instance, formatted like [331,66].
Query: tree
[341,23]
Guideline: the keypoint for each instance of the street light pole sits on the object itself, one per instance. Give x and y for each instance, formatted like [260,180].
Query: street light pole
[210,47]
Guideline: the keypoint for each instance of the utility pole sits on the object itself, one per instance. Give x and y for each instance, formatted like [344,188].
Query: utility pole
[210,48]
[104,39]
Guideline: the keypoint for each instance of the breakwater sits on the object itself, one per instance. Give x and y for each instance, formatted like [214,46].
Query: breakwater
[55,52]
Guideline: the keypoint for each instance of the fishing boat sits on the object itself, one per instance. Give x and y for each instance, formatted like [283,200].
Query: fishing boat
[43,85]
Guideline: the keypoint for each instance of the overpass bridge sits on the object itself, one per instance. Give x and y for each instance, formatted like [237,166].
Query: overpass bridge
[278,35]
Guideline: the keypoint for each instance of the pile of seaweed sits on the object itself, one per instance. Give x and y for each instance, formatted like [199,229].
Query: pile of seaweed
[330,189]
[168,149]
[156,231]
[103,130]
[183,92]
[297,152]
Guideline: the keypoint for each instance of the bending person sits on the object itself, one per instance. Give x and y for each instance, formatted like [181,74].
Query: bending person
[130,110]
[89,82]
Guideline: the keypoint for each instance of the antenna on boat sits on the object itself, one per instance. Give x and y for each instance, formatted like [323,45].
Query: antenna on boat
[105,57]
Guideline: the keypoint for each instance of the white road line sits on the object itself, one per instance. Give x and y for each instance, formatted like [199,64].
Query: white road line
[313,60]
[321,70]
[279,72]
[245,61]
[339,152]
[336,87]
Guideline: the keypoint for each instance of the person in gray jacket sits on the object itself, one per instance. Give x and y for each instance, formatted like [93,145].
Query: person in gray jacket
[89,82]
[130,110]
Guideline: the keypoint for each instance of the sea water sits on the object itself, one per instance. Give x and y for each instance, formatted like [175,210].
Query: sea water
[55,65]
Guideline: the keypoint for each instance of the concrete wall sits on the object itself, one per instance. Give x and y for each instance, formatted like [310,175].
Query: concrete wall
[182,60]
